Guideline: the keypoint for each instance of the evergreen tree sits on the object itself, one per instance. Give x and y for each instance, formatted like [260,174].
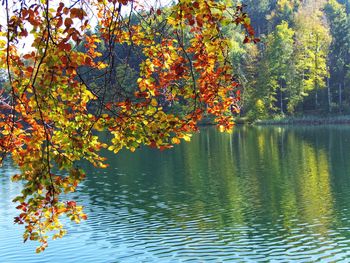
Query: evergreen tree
[339,57]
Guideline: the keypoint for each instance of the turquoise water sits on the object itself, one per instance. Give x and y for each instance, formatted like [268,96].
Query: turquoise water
[265,194]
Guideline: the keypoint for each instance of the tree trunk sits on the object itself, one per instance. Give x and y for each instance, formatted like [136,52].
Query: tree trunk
[281,100]
[329,96]
[340,98]
[316,72]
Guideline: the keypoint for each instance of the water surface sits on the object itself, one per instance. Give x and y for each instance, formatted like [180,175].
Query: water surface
[258,195]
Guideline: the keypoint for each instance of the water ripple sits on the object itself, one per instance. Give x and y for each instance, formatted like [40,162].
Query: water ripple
[222,200]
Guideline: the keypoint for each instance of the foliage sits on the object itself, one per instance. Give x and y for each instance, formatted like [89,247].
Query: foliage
[313,44]
[339,49]
[302,59]
[54,109]
[275,75]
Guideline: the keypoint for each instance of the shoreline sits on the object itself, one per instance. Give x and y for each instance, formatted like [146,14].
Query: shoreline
[305,120]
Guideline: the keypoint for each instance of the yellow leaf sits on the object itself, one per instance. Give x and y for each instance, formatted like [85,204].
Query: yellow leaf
[175,140]
[102,66]
[154,102]
[187,137]
[111,148]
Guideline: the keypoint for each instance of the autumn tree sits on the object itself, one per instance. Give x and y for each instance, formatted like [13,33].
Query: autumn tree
[311,52]
[49,119]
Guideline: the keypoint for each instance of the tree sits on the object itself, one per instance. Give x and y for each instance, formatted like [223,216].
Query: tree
[339,56]
[54,111]
[294,61]
[259,10]
[312,48]
[275,76]
[284,10]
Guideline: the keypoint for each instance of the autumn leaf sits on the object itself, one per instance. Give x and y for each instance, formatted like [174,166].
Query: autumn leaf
[68,22]
[78,82]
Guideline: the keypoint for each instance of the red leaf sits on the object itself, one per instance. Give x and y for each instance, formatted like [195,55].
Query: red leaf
[246,40]
[71,203]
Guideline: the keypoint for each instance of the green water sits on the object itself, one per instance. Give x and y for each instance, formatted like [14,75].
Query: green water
[260,194]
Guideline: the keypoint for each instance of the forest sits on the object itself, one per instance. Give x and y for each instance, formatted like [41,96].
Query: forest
[299,66]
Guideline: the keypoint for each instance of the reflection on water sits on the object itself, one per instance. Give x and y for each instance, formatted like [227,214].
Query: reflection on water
[259,194]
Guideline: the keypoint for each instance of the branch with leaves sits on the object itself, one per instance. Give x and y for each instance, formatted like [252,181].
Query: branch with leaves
[50,117]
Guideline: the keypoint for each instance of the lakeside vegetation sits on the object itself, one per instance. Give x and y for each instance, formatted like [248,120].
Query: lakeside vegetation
[301,67]
[298,72]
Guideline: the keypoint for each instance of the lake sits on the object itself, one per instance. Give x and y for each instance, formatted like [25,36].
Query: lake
[260,194]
